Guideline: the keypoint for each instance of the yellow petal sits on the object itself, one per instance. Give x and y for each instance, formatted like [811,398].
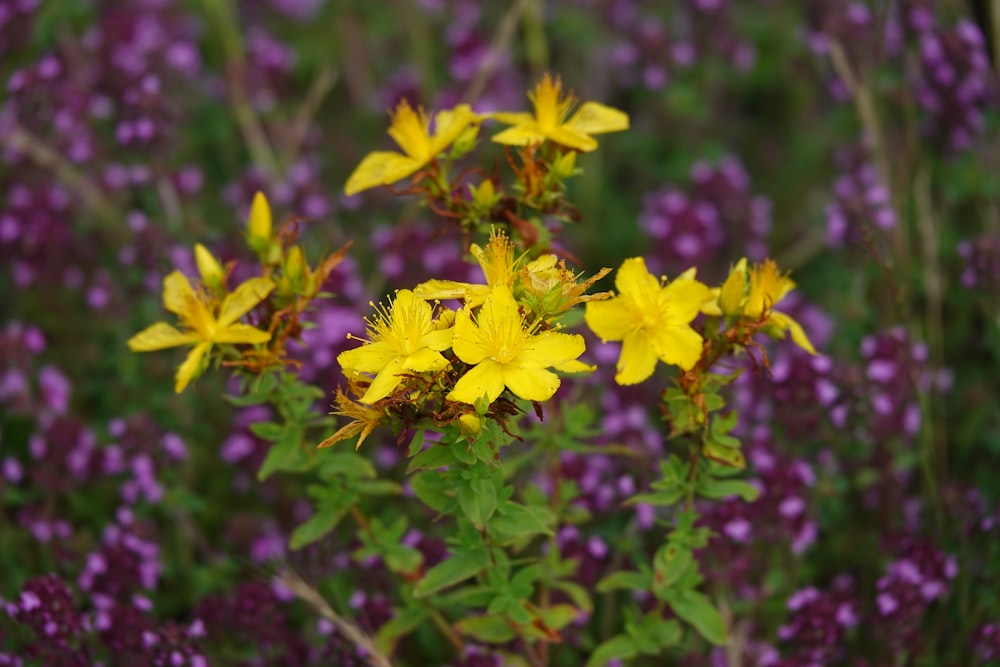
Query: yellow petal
[178,294]
[519,136]
[531,384]
[610,320]
[574,366]
[594,118]
[637,360]
[522,118]
[160,336]
[467,341]
[677,345]
[369,358]
[433,290]
[243,299]
[785,323]
[733,295]
[565,136]
[686,297]
[636,281]
[481,380]
[424,360]
[242,333]
[550,348]
[384,383]
[438,340]
[380,168]
[449,125]
[191,366]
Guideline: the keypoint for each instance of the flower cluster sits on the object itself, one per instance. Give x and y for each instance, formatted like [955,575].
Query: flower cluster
[428,362]
[210,314]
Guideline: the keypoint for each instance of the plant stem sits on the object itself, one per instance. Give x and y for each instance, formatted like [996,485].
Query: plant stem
[35,149]
[501,40]
[249,123]
[352,633]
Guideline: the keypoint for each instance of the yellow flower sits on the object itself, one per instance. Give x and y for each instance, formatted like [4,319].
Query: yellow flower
[506,353]
[754,293]
[203,326]
[498,264]
[364,420]
[411,131]
[550,120]
[651,319]
[403,339]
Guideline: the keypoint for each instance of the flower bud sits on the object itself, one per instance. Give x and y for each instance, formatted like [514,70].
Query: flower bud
[732,297]
[470,424]
[209,267]
[259,224]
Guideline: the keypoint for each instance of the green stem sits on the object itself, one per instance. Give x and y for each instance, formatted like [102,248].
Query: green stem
[261,152]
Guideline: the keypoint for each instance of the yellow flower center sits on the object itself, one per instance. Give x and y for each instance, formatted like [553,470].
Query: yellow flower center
[409,129]
[496,259]
[505,339]
[550,110]
[403,325]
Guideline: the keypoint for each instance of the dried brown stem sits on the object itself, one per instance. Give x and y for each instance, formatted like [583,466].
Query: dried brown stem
[352,633]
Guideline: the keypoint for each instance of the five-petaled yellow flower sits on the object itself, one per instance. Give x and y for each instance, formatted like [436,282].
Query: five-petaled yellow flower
[754,293]
[651,319]
[410,129]
[505,352]
[552,120]
[498,264]
[203,326]
[403,338]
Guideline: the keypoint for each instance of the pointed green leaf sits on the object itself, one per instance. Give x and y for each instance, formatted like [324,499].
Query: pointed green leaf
[458,568]
[695,608]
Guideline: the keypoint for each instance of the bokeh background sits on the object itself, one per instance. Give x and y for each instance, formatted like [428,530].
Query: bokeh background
[857,143]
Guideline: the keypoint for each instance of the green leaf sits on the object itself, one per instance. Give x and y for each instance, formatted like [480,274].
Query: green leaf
[577,593]
[416,444]
[286,455]
[558,616]
[379,487]
[724,488]
[434,457]
[670,564]
[433,490]
[459,567]
[477,496]
[729,456]
[618,647]
[516,521]
[348,464]
[326,518]
[622,580]
[695,608]
[402,623]
[489,628]
[659,498]
[271,431]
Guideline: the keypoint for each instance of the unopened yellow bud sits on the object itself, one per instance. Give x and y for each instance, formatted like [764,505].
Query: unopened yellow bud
[259,224]
[466,141]
[470,424]
[484,196]
[296,267]
[209,267]
[733,295]
[445,319]
[565,165]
